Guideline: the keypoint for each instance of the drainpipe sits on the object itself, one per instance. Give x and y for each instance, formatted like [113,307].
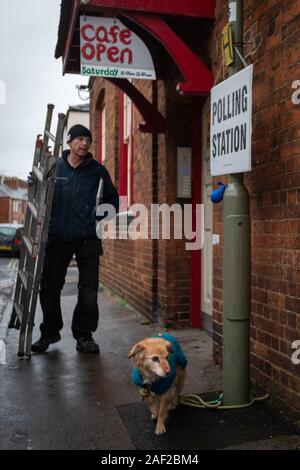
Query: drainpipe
[236,264]
[155,313]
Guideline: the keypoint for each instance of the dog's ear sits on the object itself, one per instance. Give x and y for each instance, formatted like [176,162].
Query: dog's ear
[137,348]
[169,347]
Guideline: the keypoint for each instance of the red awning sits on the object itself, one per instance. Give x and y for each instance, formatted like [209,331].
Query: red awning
[148,15]
[196,8]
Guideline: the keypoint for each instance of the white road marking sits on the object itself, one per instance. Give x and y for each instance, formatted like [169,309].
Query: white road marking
[10,263]
[13,264]
[2,352]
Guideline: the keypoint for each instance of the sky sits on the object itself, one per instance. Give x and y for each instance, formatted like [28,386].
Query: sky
[31,77]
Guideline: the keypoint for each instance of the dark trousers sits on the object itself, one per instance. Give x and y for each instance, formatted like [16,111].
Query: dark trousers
[58,256]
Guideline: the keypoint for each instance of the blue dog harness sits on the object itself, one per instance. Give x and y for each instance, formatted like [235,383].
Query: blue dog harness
[176,357]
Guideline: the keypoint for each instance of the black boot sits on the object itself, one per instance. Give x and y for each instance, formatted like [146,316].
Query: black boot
[43,343]
[87,345]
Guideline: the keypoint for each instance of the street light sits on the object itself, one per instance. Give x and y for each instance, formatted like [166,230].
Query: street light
[83,88]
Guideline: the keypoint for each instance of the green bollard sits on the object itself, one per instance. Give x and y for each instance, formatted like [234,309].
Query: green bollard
[236,275]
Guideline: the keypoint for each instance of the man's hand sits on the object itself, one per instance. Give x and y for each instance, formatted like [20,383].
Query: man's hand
[31,179]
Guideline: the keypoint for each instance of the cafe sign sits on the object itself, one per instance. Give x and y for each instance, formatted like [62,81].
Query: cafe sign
[110,49]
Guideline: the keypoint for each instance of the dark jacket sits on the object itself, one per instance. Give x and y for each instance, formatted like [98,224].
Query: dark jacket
[74,201]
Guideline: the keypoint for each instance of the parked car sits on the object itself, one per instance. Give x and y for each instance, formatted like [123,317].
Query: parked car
[11,239]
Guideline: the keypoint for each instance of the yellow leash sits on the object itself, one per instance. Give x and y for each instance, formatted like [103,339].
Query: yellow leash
[197,402]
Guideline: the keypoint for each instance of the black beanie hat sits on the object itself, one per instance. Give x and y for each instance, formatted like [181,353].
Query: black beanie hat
[78,131]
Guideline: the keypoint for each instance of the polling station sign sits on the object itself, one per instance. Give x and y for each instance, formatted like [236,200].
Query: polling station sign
[110,49]
[231,124]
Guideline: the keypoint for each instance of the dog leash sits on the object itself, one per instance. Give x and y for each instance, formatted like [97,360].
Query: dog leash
[197,402]
[144,392]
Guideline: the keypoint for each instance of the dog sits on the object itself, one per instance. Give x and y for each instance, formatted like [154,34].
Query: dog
[160,370]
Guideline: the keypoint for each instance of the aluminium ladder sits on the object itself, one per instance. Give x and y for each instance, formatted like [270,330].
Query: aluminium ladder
[40,196]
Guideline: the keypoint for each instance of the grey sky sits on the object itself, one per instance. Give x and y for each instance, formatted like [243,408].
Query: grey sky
[32,77]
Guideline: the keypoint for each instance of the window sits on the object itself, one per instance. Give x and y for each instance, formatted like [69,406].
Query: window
[126,151]
[15,206]
[102,136]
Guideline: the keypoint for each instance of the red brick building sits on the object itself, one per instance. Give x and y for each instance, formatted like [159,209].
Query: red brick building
[13,200]
[140,128]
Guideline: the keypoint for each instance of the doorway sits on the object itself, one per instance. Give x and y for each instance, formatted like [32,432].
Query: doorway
[207,251]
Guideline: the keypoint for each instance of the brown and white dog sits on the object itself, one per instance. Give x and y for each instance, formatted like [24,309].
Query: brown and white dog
[160,372]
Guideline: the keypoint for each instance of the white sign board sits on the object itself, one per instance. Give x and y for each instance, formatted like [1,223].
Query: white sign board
[232,12]
[110,49]
[231,124]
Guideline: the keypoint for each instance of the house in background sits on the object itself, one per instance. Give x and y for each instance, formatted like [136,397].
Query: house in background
[13,200]
[79,114]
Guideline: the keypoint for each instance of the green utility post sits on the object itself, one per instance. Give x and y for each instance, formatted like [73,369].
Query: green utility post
[236,263]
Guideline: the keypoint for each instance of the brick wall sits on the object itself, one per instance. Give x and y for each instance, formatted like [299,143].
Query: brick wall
[14,182]
[8,215]
[272,31]
[152,275]
[127,266]
[5,212]
[7,205]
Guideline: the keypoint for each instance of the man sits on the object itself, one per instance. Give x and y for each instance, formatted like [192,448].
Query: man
[72,230]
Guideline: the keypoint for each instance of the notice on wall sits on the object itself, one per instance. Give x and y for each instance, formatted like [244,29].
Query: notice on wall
[110,49]
[231,124]
[184,172]
[232,12]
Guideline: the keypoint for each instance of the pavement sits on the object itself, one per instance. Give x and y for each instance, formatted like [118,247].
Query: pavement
[64,399]
[8,273]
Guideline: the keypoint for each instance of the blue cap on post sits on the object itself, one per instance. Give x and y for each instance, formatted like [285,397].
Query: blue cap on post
[218,194]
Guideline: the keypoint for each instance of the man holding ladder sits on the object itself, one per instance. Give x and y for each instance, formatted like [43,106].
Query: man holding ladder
[72,231]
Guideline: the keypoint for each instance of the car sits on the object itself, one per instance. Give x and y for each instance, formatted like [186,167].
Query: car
[11,239]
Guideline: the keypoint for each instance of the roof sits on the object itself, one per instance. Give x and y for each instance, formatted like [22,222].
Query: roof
[21,193]
[65,14]
[80,107]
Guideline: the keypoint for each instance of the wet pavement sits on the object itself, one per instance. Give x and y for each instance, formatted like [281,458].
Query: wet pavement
[8,273]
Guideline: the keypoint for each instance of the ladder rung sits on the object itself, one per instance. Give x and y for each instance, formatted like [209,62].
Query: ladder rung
[24,278]
[38,174]
[50,136]
[33,209]
[18,311]
[28,244]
